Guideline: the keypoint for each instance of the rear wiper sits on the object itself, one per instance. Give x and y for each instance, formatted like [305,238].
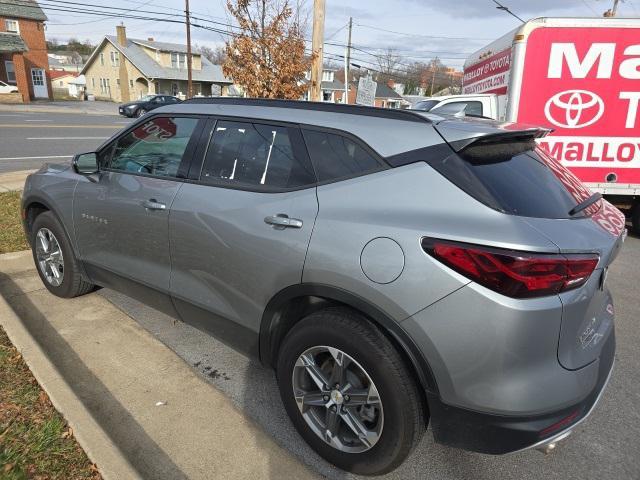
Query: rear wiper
[585,204]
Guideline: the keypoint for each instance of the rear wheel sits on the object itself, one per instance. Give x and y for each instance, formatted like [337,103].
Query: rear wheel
[54,258]
[349,393]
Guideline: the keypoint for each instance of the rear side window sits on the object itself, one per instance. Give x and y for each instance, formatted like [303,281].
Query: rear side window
[255,155]
[515,178]
[335,156]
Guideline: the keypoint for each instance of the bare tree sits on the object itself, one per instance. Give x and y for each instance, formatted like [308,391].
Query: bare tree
[216,55]
[388,61]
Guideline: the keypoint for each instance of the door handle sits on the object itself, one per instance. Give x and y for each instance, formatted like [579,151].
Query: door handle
[283,221]
[153,204]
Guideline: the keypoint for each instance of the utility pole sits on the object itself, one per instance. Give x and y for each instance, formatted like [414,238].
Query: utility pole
[317,50]
[189,73]
[433,78]
[614,10]
[347,61]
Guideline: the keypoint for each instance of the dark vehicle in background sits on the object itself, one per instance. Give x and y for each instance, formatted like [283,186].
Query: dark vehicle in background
[141,106]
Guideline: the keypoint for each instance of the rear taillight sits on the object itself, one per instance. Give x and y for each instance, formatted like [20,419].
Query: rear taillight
[511,272]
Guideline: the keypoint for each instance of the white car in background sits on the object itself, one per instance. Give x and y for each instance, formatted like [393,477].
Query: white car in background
[6,88]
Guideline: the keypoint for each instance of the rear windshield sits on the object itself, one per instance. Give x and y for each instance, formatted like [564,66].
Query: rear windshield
[516,178]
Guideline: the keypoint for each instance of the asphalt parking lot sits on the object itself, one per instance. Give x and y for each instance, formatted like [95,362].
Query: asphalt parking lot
[606,446]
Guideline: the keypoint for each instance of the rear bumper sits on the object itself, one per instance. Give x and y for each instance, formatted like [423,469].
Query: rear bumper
[497,434]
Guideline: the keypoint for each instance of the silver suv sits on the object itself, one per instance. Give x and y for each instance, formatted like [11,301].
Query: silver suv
[396,268]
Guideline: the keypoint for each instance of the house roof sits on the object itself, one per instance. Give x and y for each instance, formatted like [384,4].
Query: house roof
[385,91]
[335,85]
[61,73]
[10,43]
[21,9]
[153,70]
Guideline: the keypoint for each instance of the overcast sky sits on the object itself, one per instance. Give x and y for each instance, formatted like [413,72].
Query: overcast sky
[417,29]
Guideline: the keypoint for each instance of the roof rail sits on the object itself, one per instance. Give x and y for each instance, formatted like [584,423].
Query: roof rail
[395,114]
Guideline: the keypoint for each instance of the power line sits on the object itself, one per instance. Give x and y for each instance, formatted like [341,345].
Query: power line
[506,9]
[422,36]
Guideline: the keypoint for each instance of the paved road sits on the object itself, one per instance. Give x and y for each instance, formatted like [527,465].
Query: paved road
[27,140]
[607,446]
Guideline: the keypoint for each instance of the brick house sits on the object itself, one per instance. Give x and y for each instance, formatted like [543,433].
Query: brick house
[23,49]
[121,69]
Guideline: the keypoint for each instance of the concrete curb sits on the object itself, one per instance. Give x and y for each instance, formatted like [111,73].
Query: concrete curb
[99,448]
[13,181]
[53,109]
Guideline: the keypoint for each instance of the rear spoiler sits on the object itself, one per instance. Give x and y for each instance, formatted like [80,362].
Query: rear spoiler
[516,137]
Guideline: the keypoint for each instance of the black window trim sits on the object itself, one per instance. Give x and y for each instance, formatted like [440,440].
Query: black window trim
[187,157]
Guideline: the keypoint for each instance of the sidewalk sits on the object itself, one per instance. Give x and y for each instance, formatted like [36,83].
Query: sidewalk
[86,108]
[135,407]
[13,180]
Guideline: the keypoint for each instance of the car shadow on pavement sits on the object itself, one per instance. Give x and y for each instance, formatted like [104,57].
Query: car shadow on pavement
[144,455]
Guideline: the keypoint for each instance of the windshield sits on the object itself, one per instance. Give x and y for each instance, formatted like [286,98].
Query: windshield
[425,105]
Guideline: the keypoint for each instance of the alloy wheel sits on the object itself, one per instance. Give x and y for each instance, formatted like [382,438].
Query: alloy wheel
[49,255]
[338,399]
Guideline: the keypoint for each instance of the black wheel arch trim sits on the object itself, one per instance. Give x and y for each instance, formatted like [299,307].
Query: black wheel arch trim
[271,318]
[28,201]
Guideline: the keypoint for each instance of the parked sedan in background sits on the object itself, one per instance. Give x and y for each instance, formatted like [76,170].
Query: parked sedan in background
[139,107]
[6,88]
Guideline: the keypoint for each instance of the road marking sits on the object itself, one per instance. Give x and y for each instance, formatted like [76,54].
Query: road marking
[38,120]
[66,138]
[13,125]
[36,158]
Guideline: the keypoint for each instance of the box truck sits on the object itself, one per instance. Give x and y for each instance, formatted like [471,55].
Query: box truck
[577,76]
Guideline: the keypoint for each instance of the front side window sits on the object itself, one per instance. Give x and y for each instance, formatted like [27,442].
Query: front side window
[11,26]
[335,156]
[254,155]
[154,148]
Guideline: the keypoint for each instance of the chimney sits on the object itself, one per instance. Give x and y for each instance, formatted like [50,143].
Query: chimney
[121,34]
[150,39]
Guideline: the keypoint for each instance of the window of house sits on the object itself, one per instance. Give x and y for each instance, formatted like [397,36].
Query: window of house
[115,59]
[102,59]
[334,156]
[61,83]
[11,72]
[12,26]
[175,60]
[327,96]
[93,82]
[131,83]
[245,155]
[118,82]
[155,148]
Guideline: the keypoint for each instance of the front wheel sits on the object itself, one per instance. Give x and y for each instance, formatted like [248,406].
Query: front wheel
[140,112]
[54,258]
[349,393]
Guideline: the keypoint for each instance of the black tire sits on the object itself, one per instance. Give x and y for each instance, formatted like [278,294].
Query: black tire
[635,219]
[140,112]
[72,284]
[351,332]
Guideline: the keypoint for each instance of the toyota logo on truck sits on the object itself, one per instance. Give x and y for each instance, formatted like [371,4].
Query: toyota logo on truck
[574,109]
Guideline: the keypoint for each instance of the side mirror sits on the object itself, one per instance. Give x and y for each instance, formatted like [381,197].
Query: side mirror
[86,163]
